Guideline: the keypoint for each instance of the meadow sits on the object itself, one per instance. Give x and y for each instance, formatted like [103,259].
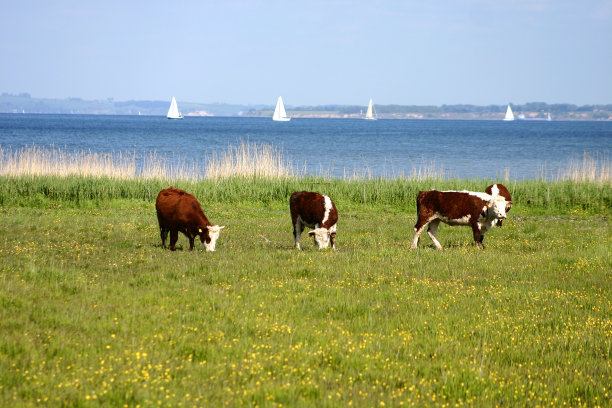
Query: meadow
[95,313]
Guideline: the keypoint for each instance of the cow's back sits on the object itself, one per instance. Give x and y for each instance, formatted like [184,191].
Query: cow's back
[178,207]
[311,208]
[449,204]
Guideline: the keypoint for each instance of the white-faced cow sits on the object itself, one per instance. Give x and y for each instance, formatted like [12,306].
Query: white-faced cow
[316,211]
[479,210]
[177,210]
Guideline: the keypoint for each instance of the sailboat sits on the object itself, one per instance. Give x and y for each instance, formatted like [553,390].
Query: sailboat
[279,112]
[369,115]
[509,114]
[173,112]
[549,118]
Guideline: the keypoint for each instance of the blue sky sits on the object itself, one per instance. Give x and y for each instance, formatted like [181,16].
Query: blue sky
[310,52]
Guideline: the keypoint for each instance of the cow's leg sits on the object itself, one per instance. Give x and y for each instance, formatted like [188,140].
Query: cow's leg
[478,236]
[297,231]
[418,230]
[191,243]
[173,239]
[163,231]
[332,239]
[432,231]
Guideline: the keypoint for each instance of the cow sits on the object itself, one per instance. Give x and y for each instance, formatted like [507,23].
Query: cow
[479,210]
[500,189]
[177,210]
[316,211]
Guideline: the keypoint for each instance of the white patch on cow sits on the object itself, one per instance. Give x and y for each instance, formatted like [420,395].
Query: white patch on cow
[465,220]
[494,211]
[417,234]
[432,231]
[321,237]
[494,190]
[328,208]
[298,229]
[498,207]
[213,233]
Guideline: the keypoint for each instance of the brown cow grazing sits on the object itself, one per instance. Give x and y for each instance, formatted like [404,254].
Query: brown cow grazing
[500,189]
[315,211]
[177,210]
[479,210]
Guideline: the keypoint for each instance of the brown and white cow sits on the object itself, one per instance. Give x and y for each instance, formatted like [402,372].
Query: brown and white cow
[479,210]
[500,189]
[177,210]
[316,211]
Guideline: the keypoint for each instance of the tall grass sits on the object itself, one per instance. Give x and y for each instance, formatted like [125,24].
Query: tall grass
[35,176]
[534,196]
[595,168]
[245,159]
[590,167]
[250,160]
[53,161]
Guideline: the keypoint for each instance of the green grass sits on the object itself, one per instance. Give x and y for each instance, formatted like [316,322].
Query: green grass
[94,312]
[541,197]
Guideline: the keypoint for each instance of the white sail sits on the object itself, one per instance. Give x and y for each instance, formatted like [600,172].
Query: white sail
[509,114]
[173,112]
[279,112]
[371,112]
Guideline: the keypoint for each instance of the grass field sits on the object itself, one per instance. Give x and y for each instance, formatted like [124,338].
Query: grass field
[95,313]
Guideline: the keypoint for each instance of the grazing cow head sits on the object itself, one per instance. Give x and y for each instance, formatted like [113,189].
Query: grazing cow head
[209,236]
[321,237]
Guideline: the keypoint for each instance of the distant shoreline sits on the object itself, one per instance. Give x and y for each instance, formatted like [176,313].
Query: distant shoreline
[24,103]
[297,115]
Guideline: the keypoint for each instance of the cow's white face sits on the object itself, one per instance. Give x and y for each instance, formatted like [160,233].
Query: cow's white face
[210,236]
[498,207]
[321,237]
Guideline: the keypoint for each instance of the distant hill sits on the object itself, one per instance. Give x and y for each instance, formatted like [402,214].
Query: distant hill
[10,103]
[25,103]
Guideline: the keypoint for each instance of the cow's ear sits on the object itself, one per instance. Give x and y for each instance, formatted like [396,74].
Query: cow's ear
[311,233]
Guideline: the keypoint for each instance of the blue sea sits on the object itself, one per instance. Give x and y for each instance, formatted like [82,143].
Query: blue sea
[386,148]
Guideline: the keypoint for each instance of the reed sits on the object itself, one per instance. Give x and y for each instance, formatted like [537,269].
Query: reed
[245,159]
[595,168]
[250,160]
[54,161]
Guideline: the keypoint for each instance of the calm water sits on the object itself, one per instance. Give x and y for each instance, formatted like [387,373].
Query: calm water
[465,149]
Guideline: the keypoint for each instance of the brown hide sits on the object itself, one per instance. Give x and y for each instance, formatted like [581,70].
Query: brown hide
[449,204]
[311,209]
[177,210]
[450,207]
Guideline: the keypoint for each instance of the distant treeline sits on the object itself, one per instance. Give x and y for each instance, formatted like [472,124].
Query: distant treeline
[424,109]
[25,103]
